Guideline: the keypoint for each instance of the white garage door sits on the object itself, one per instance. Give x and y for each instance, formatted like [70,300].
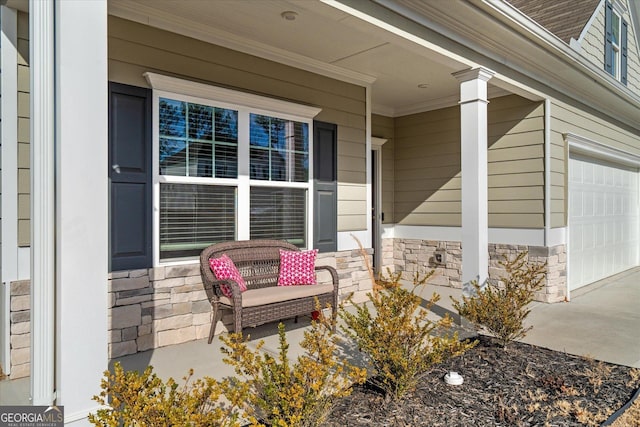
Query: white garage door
[603,220]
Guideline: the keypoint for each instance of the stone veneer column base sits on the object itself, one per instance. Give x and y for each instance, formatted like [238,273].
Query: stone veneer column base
[162,306]
[415,255]
[20,329]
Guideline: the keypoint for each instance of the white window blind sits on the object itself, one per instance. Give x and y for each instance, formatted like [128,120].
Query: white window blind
[279,213]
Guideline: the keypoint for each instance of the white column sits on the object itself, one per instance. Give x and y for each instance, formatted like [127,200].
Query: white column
[473,140]
[82,204]
[41,35]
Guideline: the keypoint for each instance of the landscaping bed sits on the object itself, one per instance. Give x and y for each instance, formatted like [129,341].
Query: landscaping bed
[523,385]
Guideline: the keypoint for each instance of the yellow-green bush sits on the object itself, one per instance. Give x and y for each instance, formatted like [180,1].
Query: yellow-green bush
[502,309]
[134,399]
[284,393]
[401,343]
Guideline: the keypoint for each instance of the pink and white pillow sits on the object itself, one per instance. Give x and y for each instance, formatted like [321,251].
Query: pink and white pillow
[297,268]
[224,269]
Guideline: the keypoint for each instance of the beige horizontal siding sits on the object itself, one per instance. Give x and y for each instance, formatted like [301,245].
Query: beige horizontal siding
[135,49]
[24,165]
[568,119]
[383,127]
[428,169]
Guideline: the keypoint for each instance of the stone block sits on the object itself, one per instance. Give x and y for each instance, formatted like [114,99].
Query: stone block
[202,331]
[538,251]
[168,283]
[126,316]
[20,371]
[119,274]
[20,341]
[201,307]
[139,273]
[20,356]
[146,320]
[180,297]
[20,316]
[146,342]
[115,335]
[20,302]
[182,270]
[135,292]
[132,300]
[202,319]
[187,288]
[144,330]
[21,287]
[198,296]
[173,322]
[176,336]
[182,308]
[20,328]
[126,284]
[157,273]
[119,349]
[130,333]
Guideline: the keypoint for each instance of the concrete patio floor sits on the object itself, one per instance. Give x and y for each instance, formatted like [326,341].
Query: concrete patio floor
[602,321]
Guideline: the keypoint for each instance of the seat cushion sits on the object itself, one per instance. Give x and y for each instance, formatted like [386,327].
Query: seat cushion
[263,296]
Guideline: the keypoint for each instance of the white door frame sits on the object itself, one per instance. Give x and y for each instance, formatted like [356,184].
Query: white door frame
[376,187]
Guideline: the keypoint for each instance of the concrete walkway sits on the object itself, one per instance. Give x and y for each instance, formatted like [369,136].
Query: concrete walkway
[601,321]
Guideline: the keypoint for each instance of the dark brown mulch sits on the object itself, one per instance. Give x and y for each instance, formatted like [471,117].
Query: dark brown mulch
[521,386]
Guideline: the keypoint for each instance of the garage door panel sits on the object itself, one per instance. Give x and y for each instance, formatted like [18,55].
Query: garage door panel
[603,219]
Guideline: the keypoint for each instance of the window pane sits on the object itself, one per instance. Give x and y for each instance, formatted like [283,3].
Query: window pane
[200,122]
[226,161]
[200,159]
[172,118]
[279,213]
[259,164]
[615,29]
[193,217]
[288,143]
[226,125]
[173,159]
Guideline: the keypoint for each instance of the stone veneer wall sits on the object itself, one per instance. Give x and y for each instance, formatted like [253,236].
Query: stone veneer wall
[20,335]
[413,255]
[162,306]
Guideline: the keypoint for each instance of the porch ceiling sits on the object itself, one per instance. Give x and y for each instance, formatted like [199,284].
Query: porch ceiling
[321,36]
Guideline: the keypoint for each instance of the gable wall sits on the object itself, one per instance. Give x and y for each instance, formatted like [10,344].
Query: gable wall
[592,47]
[135,49]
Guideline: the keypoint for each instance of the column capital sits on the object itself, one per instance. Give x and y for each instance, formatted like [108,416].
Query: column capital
[479,73]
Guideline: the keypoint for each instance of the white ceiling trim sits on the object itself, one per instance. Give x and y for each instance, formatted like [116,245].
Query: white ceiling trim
[156,18]
[201,90]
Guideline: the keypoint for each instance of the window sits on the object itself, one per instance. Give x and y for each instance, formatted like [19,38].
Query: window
[228,170]
[615,43]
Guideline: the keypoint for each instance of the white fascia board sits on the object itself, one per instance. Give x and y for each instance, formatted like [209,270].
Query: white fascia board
[589,147]
[346,241]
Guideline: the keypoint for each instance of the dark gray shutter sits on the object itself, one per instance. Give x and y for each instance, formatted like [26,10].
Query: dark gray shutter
[623,59]
[325,187]
[130,177]
[608,38]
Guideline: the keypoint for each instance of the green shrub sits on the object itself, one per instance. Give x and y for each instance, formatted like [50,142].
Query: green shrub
[134,399]
[300,394]
[401,343]
[501,310]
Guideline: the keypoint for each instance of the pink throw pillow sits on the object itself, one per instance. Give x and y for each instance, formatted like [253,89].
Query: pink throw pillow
[224,269]
[297,268]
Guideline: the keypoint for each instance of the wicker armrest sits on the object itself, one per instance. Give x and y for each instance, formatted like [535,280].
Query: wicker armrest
[333,272]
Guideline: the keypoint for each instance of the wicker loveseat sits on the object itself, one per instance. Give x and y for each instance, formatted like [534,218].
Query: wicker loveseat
[258,261]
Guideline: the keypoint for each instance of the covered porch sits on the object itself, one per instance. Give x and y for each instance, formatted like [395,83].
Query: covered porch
[415,133]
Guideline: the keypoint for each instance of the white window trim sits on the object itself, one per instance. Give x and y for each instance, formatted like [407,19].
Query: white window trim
[245,104]
[617,49]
